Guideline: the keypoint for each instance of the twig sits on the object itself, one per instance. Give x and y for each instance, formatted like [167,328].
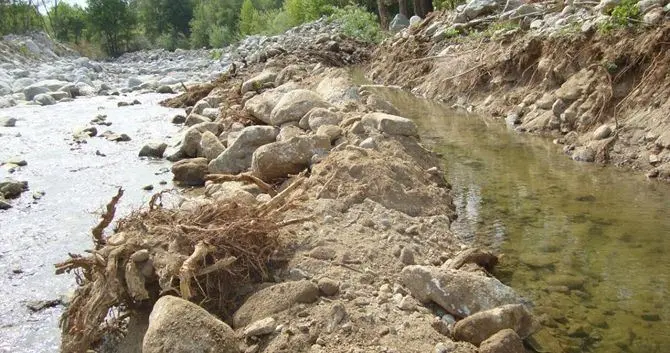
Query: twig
[183,86]
[217,178]
[465,72]
[219,265]
[293,221]
[107,218]
[282,195]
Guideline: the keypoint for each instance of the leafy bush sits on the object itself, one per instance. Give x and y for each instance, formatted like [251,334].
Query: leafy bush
[220,36]
[358,23]
[625,15]
[447,4]
[172,41]
[301,11]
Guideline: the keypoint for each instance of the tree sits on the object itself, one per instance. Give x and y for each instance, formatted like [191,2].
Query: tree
[68,22]
[19,16]
[112,22]
[214,18]
[165,16]
[248,16]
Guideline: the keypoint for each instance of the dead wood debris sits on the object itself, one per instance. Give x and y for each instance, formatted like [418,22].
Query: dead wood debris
[203,254]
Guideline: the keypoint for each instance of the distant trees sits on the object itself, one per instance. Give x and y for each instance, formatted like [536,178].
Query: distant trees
[119,25]
[19,16]
[68,22]
[112,22]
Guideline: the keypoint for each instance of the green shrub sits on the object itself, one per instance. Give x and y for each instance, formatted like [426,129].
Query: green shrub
[301,11]
[220,36]
[358,23]
[447,4]
[172,41]
[625,15]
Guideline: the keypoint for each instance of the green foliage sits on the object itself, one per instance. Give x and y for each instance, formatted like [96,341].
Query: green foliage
[359,23]
[301,11]
[220,36]
[216,54]
[447,4]
[625,15]
[214,18]
[172,41]
[68,22]
[159,17]
[248,18]
[18,17]
[112,22]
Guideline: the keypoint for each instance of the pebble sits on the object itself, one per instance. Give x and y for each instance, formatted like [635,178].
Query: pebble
[328,286]
[407,256]
[148,187]
[261,327]
[407,304]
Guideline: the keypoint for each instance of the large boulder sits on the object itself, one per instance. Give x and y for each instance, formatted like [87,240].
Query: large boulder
[294,105]
[460,293]
[398,23]
[257,82]
[476,8]
[390,124]
[278,160]
[179,326]
[237,157]
[7,122]
[5,88]
[275,299]
[11,189]
[44,99]
[479,326]
[338,90]
[210,146]
[154,149]
[260,106]
[505,341]
[20,84]
[321,116]
[190,172]
[33,90]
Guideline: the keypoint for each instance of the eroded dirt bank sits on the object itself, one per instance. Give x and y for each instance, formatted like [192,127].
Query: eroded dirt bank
[547,69]
[324,227]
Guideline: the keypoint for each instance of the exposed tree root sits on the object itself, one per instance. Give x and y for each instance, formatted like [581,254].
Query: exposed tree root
[204,255]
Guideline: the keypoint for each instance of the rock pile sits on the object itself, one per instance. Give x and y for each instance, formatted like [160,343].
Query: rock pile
[362,207]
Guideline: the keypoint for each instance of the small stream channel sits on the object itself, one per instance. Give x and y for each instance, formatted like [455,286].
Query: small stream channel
[588,245]
[77,183]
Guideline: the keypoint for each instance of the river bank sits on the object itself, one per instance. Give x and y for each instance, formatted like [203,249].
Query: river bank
[564,71]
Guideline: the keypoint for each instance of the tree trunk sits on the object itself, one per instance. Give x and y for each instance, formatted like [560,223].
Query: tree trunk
[427,7]
[383,14]
[416,4]
[402,8]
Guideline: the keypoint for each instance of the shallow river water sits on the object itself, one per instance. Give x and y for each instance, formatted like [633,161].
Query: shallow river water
[77,183]
[589,246]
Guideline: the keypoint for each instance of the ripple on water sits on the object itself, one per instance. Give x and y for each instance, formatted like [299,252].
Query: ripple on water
[77,182]
[588,245]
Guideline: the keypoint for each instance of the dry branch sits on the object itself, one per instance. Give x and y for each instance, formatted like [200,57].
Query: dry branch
[219,178]
[107,217]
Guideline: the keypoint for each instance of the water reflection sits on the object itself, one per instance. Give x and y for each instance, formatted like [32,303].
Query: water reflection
[588,245]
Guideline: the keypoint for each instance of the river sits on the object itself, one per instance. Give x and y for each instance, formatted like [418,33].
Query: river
[588,245]
[77,182]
